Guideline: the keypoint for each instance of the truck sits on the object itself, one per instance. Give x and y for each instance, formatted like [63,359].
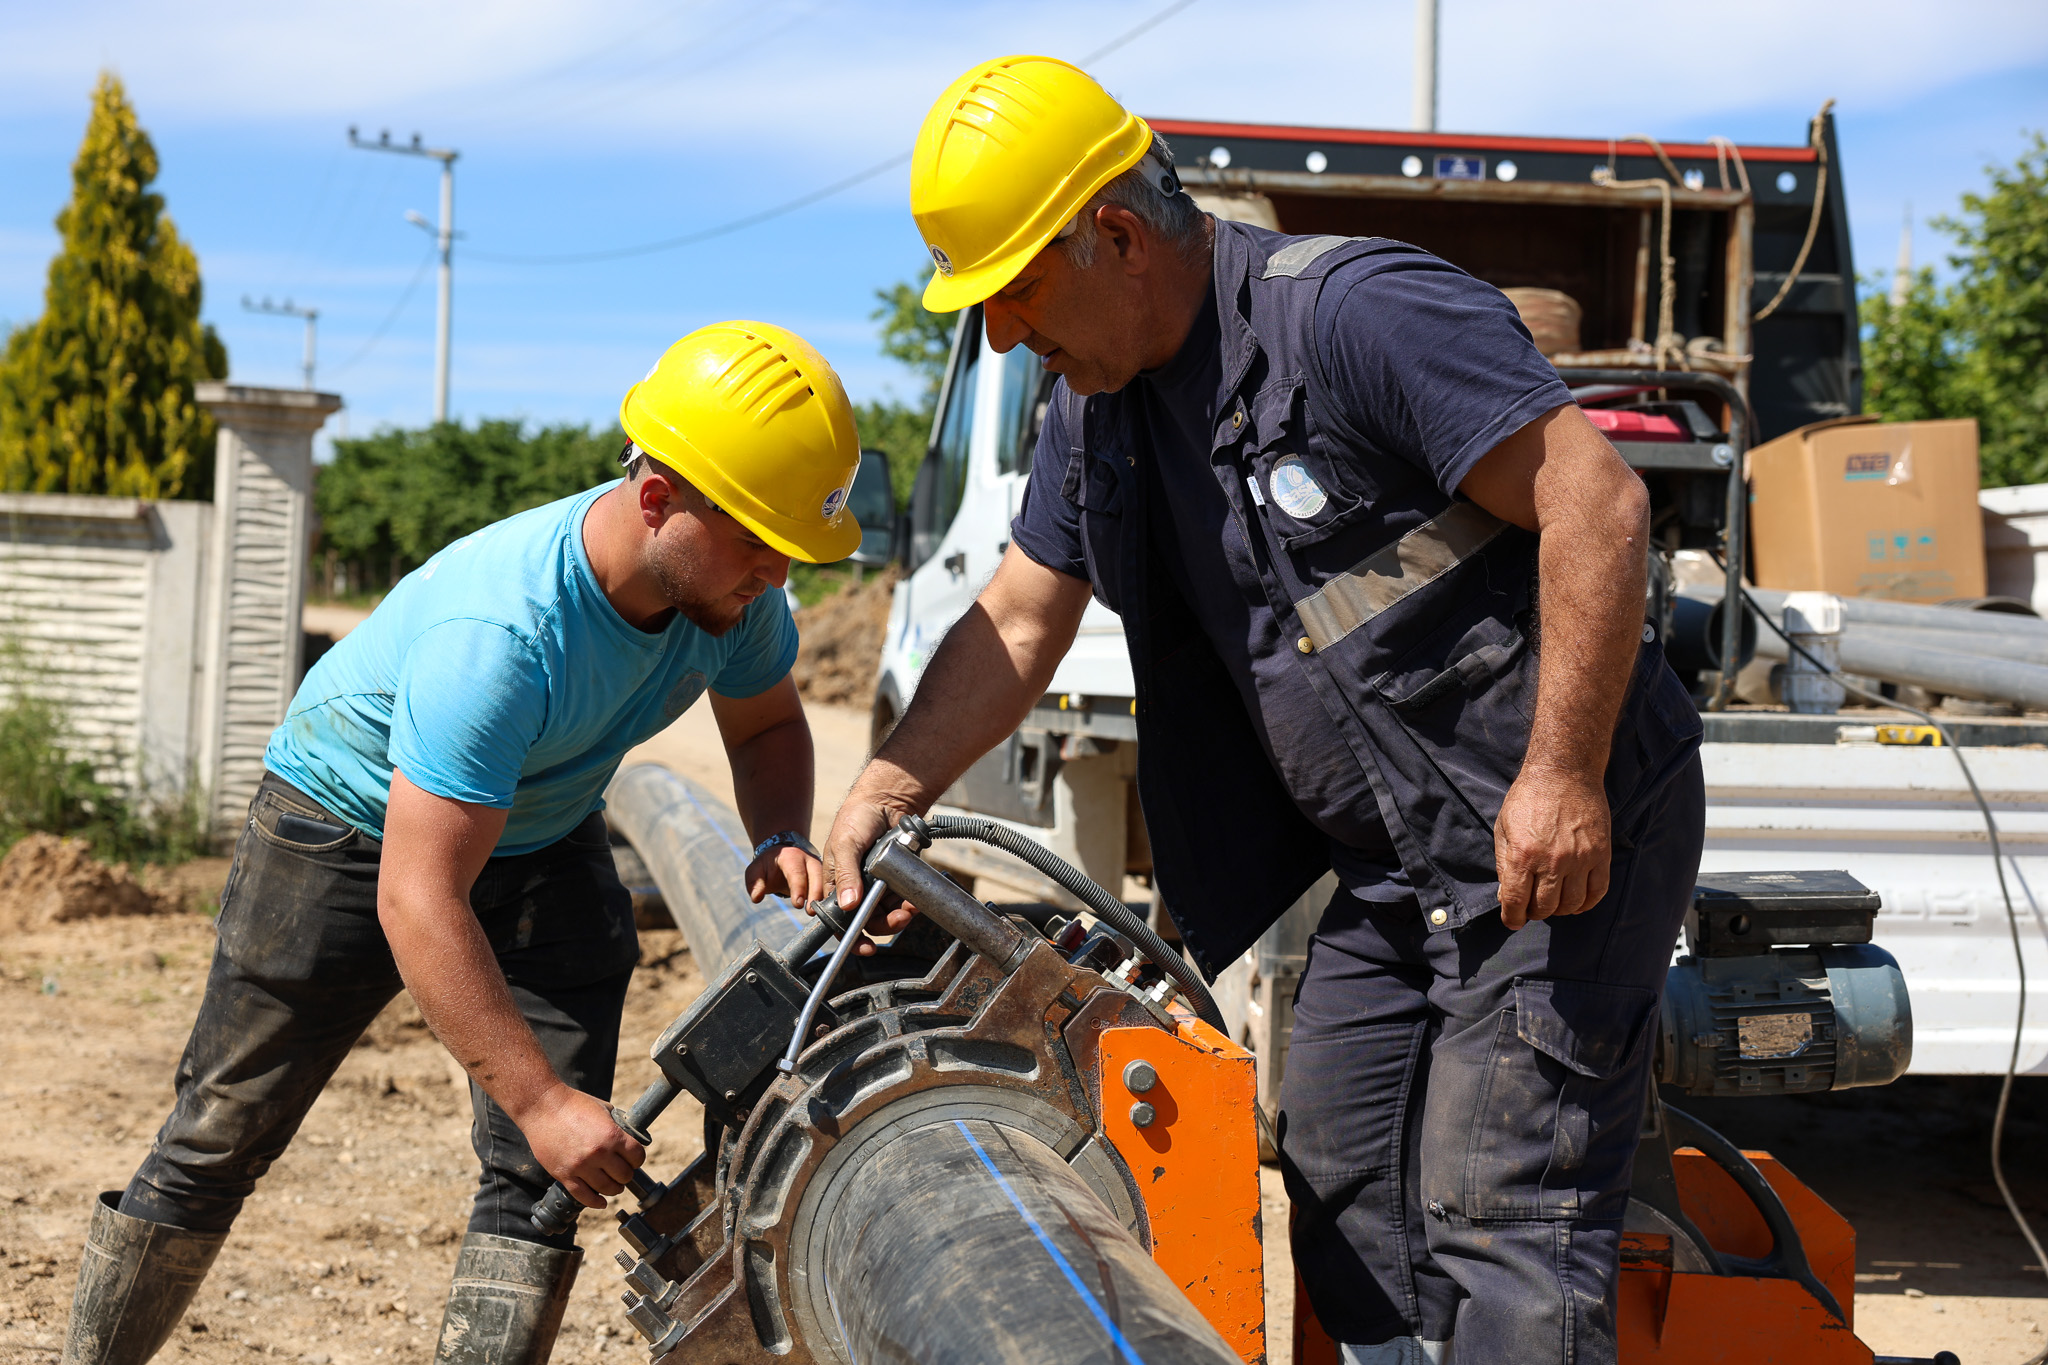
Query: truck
[1729,263]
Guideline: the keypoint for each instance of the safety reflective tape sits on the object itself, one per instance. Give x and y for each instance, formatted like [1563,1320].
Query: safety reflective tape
[1389,574]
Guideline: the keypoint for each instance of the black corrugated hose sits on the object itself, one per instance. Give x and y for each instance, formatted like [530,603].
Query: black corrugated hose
[1100,903]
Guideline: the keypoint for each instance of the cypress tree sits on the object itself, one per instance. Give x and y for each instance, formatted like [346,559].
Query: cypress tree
[96,395]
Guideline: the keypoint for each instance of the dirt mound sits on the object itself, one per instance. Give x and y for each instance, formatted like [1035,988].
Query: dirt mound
[841,647]
[45,880]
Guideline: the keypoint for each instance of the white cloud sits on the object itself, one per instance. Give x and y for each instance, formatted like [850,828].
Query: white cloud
[799,81]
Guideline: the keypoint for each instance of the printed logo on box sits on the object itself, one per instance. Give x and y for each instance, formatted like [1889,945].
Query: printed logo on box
[1875,465]
[1902,545]
[1461,168]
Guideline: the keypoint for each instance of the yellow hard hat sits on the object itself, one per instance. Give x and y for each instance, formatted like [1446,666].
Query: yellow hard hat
[1005,159]
[758,423]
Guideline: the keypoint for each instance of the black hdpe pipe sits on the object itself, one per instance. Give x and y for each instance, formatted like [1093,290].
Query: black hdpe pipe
[1100,903]
[967,1241]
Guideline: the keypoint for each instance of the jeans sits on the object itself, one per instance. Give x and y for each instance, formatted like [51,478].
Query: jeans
[1459,1116]
[302,967]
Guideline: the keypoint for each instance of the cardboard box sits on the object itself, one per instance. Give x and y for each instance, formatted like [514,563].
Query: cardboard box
[1869,509]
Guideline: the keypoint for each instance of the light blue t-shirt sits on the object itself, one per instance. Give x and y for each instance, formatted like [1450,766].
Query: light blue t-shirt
[498,674]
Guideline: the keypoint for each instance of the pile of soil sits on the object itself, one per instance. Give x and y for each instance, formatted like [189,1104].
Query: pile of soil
[841,643]
[48,880]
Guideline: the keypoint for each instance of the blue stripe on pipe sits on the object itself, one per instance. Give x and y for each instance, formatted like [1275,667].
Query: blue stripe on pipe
[1116,1335]
[738,853]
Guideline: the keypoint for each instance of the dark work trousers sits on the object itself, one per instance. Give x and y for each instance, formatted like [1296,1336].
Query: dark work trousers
[301,968]
[1460,1110]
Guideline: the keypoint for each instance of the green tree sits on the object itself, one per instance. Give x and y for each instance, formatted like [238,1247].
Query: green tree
[1912,359]
[96,395]
[388,502]
[2001,305]
[922,341]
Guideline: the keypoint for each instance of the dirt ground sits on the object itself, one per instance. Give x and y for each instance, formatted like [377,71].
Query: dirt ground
[344,1254]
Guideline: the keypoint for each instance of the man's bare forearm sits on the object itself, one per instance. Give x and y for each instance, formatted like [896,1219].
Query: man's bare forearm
[1591,569]
[455,979]
[774,780]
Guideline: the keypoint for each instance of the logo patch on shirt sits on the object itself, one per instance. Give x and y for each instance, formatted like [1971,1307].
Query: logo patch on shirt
[1295,489]
[684,694]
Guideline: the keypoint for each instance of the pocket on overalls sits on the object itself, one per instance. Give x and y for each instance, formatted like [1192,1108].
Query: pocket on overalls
[1306,497]
[1466,700]
[1554,1119]
[287,824]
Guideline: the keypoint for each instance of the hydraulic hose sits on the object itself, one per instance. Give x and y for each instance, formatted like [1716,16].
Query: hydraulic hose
[1100,903]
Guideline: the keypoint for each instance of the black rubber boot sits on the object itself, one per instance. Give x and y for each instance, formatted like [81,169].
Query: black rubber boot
[135,1281]
[506,1303]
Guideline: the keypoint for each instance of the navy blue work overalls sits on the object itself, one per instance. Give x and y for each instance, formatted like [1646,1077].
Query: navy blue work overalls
[1460,1110]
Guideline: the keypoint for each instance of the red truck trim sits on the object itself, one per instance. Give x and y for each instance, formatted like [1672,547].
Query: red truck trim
[1691,151]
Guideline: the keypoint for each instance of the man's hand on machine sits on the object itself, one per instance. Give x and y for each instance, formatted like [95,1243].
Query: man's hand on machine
[574,1137]
[1552,844]
[788,872]
[860,822]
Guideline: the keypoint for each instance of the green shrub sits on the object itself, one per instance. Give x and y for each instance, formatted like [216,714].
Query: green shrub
[47,785]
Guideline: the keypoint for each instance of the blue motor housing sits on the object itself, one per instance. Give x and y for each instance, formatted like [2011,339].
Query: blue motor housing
[1746,1012]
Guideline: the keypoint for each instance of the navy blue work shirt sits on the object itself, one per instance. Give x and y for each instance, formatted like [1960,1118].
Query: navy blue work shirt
[1431,369]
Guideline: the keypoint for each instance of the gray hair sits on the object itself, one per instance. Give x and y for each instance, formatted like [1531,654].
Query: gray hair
[1173,217]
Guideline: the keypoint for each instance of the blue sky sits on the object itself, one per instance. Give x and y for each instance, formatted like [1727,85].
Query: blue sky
[583,127]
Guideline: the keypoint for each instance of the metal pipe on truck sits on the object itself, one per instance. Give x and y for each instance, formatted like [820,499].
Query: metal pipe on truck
[1875,611]
[1937,670]
[2024,649]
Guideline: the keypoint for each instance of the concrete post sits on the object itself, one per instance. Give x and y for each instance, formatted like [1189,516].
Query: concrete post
[256,581]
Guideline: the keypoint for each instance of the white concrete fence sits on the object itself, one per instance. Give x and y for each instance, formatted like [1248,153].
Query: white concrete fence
[171,630]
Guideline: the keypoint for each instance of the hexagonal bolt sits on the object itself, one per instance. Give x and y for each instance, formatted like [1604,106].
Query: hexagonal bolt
[1139,1077]
[1142,1115]
[647,1319]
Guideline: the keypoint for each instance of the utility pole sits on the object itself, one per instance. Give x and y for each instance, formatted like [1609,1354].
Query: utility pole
[1424,118]
[444,234]
[289,310]
[1902,274]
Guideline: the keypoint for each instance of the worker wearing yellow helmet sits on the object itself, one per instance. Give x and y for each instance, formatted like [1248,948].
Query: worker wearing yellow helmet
[429,819]
[1321,478]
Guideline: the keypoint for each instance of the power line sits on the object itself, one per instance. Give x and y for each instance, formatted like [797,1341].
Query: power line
[802,201]
[392,316]
[689,239]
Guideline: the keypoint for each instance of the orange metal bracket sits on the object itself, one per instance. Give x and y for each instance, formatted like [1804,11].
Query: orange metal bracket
[1197,1168]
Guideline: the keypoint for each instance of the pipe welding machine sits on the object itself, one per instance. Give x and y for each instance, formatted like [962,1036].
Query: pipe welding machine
[1010,1135]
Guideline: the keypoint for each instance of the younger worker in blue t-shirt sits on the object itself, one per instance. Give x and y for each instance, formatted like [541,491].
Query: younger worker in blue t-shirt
[430,818]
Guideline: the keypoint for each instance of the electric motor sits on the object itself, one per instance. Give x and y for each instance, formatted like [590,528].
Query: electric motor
[1781,990]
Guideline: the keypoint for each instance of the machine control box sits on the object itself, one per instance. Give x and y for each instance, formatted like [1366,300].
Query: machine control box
[1739,914]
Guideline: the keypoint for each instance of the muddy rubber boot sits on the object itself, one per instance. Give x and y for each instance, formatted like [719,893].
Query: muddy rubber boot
[506,1303]
[135,1281]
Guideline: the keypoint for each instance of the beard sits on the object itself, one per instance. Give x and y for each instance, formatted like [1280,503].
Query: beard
[713,612]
